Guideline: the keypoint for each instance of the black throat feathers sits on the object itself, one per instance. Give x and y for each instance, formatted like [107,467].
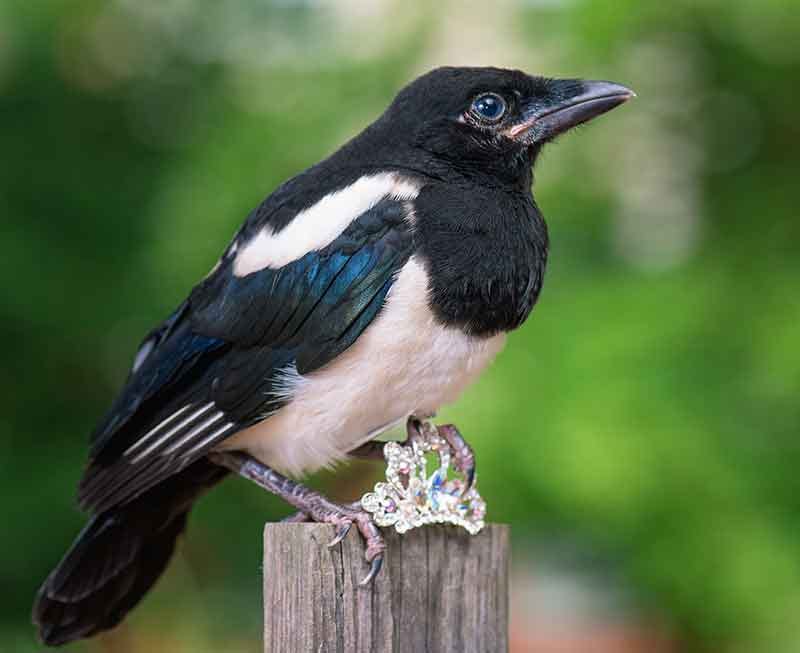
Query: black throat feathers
[485,250]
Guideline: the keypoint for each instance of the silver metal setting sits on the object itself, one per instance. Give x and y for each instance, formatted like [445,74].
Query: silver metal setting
[410,498]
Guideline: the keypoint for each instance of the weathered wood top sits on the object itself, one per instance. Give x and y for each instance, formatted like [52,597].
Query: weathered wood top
[440,590]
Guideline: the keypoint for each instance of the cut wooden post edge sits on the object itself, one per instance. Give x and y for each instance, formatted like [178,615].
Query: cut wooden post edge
[440,589]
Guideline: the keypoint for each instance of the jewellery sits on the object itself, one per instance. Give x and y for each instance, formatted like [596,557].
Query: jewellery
[410,498]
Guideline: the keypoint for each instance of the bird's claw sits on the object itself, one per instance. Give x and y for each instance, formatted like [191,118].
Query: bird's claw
[374,568]
[375,546]
[464,457]
[374,541]
[343,518]
[470,481]
[416,429]
[351,514]
[341,533]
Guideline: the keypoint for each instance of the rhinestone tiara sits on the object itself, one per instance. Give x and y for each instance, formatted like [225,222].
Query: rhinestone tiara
[410,498]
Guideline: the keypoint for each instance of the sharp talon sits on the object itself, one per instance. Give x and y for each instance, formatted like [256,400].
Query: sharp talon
[464,456]
[413,429]
[470,481]
[340,534]
[374,568]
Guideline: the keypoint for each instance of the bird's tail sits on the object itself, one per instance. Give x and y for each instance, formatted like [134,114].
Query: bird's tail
[116,559]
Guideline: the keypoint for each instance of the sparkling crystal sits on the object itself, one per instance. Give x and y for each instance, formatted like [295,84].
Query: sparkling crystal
[416,498]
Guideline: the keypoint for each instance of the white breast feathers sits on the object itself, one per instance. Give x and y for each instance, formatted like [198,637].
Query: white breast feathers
[404,363]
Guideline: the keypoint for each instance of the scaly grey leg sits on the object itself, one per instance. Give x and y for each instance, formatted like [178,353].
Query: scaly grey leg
[310,503]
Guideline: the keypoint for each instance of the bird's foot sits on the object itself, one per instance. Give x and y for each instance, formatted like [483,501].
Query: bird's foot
[420,429]
[463,456]
[343,517]
[416,429]
[312,505]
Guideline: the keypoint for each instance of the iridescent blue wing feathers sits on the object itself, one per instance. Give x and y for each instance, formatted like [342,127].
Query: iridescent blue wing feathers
[220,362]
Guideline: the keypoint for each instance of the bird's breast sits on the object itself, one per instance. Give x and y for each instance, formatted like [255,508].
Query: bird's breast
[406,362]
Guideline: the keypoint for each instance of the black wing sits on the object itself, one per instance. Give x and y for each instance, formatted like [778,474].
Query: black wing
[217,364]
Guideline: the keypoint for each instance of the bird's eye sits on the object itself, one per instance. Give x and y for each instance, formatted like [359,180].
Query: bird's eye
[488,107]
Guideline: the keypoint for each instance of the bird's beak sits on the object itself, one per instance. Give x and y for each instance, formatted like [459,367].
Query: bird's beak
[568,103]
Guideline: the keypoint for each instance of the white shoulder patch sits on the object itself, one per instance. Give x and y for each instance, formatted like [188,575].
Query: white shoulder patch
[320,224]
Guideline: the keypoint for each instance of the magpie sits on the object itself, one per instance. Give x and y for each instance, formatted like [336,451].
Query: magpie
[368,290]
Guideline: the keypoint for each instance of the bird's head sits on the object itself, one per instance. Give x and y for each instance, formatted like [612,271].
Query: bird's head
[490,122]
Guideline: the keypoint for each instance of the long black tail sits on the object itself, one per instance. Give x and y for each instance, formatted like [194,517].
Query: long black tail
[116,559]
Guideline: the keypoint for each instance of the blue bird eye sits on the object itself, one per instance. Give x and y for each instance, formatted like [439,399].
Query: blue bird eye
[489,107]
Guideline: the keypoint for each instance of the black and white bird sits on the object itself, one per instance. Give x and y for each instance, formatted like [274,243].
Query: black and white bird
[368,290]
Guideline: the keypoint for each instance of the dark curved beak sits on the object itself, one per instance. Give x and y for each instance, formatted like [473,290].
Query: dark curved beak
[567,103]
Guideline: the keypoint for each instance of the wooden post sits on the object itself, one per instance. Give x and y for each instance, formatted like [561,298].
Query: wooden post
[440,590]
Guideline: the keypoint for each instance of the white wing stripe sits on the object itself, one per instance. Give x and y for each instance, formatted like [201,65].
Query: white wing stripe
[176,429]
[140,442]
[191,434]
[209,439]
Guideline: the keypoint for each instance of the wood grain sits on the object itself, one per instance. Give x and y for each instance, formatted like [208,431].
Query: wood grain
[440,590]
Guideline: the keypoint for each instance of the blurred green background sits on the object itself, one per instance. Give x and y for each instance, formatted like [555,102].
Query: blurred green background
[640,432]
